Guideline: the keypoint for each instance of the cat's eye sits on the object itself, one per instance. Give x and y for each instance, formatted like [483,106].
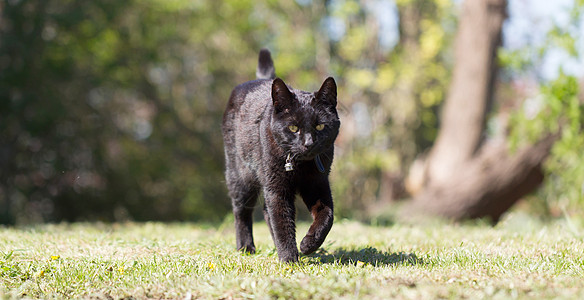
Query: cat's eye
[293,128]
[320,127]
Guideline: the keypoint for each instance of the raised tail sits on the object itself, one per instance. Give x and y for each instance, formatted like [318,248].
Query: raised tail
[265,68]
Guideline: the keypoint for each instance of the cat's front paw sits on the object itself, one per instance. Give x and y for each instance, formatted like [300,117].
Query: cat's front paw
[288,256]
[289,259]
[309,244]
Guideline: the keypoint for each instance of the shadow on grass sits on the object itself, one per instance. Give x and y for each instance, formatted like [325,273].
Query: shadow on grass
[368,255]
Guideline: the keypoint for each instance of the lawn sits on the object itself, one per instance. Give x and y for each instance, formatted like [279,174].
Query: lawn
[519,258]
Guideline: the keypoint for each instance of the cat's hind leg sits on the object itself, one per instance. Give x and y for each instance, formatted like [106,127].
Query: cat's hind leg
[243,204]
[244,195]
[317,197]
[268,221]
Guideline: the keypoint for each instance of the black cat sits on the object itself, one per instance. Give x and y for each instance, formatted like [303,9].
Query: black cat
[279,141]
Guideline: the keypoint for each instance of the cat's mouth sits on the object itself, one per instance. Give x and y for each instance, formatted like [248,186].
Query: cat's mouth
[307,154]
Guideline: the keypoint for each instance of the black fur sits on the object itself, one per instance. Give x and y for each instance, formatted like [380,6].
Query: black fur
[258,141]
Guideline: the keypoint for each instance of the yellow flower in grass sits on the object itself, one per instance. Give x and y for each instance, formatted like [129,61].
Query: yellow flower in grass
[287,269]
[211,266]
[55,257]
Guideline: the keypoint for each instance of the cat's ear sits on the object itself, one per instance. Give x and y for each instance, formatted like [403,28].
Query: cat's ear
[328,93]
[281,95]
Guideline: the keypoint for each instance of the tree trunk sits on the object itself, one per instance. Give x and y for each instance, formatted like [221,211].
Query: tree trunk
[475,69]
[464,176]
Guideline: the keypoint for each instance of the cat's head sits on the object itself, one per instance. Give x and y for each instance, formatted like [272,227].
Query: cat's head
[305,124]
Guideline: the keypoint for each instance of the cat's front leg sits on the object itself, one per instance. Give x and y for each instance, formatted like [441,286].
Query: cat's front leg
[281,215]
[317,197]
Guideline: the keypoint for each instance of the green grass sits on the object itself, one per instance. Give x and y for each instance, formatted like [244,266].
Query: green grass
[518,258]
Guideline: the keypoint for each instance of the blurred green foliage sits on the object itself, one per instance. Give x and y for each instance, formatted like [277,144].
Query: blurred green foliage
[556,108]
[111,110]
[390,97]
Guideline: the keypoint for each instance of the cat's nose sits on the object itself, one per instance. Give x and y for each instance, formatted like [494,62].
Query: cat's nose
[308,140]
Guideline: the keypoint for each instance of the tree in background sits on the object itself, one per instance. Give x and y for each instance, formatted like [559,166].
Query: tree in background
[470,171]
[466,176]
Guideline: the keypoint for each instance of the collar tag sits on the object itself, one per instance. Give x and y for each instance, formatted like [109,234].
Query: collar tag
[288,166]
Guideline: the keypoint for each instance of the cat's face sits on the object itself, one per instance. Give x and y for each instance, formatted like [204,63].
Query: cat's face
[305,124]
